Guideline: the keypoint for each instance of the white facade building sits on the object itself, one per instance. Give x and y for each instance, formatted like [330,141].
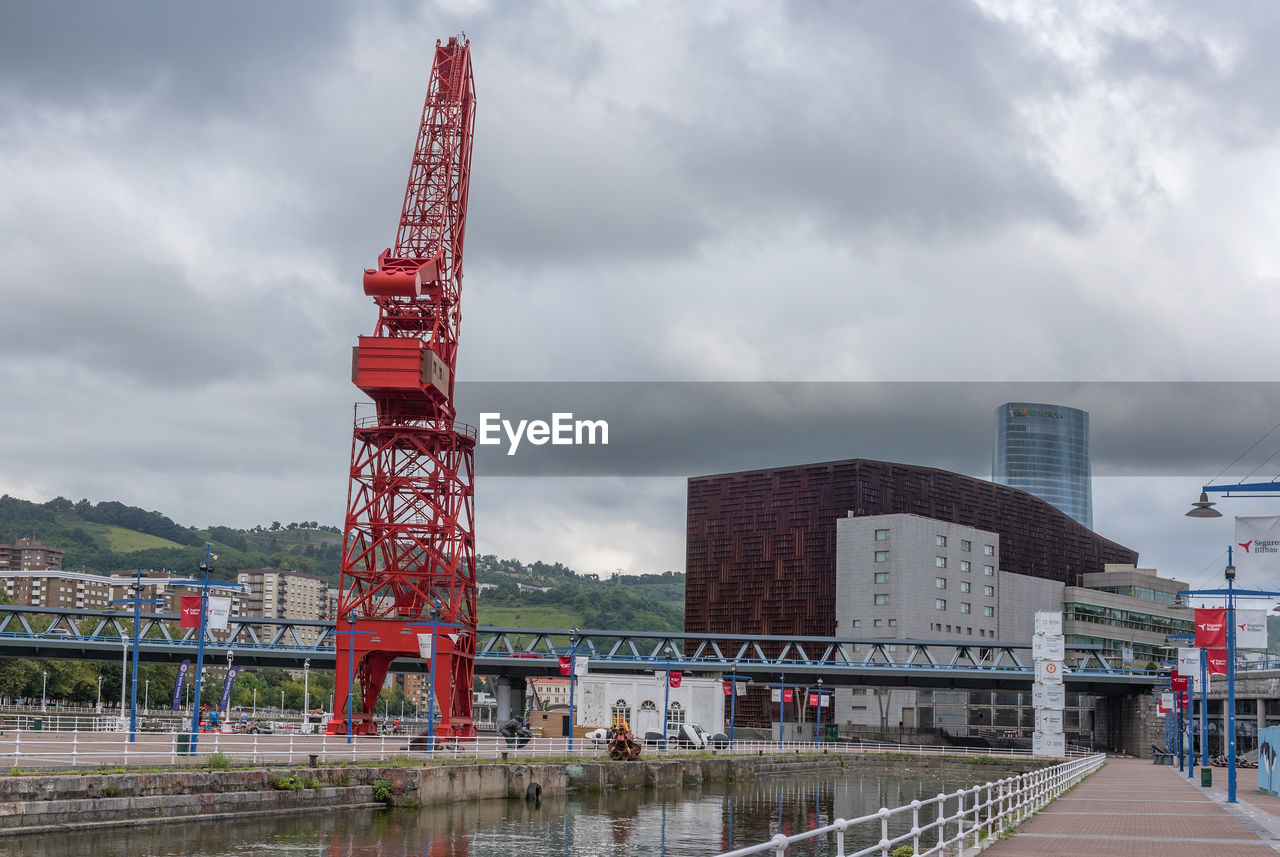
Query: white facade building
[609,700]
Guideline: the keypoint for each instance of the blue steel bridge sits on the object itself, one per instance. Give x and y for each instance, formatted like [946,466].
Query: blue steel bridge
[45,632]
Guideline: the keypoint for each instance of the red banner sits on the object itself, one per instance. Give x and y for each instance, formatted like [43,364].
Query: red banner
[1217,659]
[675,679]
[564,664]
[814,698]
[1211,627]
[786,695]
[189,610]
[728,687]
[1179,683]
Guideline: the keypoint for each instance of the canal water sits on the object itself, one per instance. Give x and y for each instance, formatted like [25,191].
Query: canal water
[701,821]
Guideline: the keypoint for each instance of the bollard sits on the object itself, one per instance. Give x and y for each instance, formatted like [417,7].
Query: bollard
[312,760]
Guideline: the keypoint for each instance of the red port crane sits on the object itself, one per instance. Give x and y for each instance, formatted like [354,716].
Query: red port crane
[408,576]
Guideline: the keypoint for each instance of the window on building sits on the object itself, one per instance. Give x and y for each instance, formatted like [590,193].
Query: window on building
[965,565]
[882,535]
[939,583]
[964,586]
[675,717]
[989,550]
[988,611]
[648,705]
[857,623]
[988,590]
[965,545]
[948,629]
[941,604]
[966,607]
[893,623]
[877,622]
[882,577]
[940,561]
[969,631]
[882,600]
[989,570]
[620,714]
[882,556]
[940,541]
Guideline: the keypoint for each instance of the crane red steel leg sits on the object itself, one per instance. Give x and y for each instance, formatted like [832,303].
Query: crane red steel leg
[409,563]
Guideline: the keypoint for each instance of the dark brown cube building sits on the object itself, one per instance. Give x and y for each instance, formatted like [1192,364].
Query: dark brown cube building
[760,554]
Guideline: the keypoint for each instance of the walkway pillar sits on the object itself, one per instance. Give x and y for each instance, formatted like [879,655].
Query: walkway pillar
[504,699]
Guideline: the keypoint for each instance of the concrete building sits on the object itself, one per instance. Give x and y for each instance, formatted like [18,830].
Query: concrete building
[164,588]
[274,593]
[637,700]
[53,588]
[30,555]
[914,578]
[761,552]
[1044,450]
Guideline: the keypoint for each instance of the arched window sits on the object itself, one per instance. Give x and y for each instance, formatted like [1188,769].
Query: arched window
[675,717]
[648,705]
[621,714]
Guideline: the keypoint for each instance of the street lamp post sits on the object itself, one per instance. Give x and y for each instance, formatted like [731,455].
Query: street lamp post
[282,703]
[124,675]
[1231,594]
[44,686]
[255,703]
[733,699]
[573,678]
[435,625]
[146,697]
[306,689]
[99,705]
[137,601]
[666,696]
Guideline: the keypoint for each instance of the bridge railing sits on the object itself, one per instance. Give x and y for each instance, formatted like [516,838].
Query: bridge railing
[83,748]
[949,823]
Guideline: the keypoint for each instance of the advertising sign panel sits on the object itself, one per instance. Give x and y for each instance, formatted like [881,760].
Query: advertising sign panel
[1049,672]
[1048,696]
[1048,621]
[1049,721]
[1052,745]
[1048,647]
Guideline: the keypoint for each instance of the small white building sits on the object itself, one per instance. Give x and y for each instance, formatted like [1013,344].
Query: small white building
[637,700]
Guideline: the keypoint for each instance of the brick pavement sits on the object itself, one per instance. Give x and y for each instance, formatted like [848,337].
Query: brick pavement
[1133,808]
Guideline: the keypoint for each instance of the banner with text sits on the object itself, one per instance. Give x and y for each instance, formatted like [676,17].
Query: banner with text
[1211,627]
[1251,629]
[177,687]
[1217,661]
[189,611]
[1257,546]
[219,613]
[226,688]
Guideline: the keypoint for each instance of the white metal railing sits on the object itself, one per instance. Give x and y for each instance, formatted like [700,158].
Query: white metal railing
[949,823]
[105,746]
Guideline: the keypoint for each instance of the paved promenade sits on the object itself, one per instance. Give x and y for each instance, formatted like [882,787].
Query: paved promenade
[1132,808]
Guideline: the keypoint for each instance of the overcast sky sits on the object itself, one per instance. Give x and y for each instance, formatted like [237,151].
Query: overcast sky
[662,192]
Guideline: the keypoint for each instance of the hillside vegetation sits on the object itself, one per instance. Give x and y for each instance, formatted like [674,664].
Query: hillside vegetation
[110,536]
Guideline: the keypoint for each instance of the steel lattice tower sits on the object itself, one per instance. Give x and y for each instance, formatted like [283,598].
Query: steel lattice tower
[408,560]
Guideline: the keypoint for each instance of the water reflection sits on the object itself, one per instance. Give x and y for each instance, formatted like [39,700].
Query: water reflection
[691,821]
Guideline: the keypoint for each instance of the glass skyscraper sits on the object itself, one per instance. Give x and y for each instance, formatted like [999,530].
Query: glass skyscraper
[1044,450]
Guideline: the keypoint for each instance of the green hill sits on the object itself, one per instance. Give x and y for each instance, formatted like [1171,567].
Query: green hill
[111,536]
